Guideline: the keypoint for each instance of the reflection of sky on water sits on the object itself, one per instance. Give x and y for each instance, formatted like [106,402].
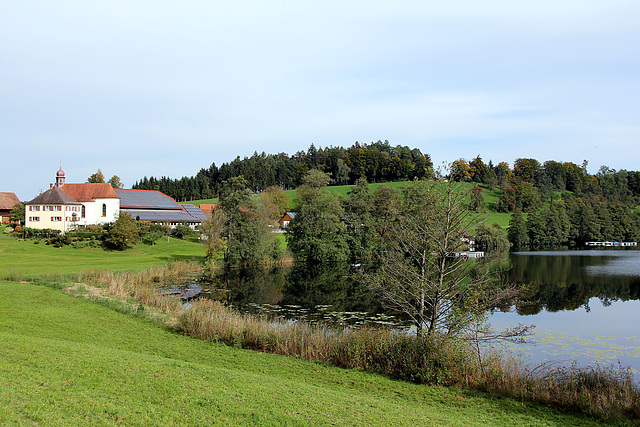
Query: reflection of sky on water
[587,337]
[625,264]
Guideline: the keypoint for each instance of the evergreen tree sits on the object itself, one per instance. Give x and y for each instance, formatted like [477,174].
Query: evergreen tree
[518,234]
[537,228]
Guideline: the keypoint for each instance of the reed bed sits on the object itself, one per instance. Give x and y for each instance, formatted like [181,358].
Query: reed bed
[145,285]
[608,393]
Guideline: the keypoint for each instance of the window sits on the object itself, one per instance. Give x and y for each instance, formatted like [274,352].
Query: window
[84,211]
[34,218]
[104,210]
[56,218]
[57,208]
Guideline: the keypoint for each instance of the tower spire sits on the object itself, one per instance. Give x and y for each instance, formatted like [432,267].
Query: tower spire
[60,176]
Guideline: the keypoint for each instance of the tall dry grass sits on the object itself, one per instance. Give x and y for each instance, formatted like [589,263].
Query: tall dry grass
[608,393]
[145,285]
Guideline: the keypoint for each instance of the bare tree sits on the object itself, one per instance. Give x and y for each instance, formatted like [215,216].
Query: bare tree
[419,273]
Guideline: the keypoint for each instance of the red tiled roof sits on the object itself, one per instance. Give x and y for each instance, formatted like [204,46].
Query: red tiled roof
[207,208]
[8,200]
[90,191]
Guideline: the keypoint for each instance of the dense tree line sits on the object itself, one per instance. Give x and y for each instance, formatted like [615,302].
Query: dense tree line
[377,162]
[556,204]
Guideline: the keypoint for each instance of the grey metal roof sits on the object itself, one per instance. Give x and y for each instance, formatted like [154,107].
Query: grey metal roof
[194,211]
[162,216]
[53,196]
[146,199]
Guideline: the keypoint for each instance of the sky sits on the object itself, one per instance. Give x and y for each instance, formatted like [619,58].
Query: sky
[164,88]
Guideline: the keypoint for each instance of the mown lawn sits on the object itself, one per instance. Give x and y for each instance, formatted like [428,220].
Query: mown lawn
[25,257]
[68,361]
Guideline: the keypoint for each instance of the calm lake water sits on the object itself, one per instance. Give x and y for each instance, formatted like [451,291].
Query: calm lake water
[585,304]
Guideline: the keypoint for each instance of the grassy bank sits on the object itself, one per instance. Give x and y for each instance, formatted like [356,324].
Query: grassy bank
[69,361]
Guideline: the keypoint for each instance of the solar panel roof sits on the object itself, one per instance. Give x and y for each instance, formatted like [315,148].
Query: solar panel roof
[194,211]
[146,199]
[162,216]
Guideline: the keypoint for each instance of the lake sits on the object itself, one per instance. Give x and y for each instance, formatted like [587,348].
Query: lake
[585,303]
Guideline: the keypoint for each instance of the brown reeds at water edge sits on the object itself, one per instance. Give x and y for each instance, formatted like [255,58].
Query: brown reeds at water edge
[609,393]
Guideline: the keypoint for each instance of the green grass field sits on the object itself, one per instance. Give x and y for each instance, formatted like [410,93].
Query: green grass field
[68,361]
[26,257]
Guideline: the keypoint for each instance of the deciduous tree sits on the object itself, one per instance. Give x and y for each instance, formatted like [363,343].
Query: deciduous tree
[213,234]
[123,233]
[418,274]
[115,182]
[243,229]
[97,177]
[317,233]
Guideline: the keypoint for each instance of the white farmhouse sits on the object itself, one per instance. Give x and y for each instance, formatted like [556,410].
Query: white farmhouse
[66,206]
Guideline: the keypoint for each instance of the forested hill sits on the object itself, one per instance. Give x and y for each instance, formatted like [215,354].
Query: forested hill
[378,162]
[564,205]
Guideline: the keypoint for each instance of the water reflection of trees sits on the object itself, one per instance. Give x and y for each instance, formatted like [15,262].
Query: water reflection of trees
[307,286]
[555,283]
[565,283]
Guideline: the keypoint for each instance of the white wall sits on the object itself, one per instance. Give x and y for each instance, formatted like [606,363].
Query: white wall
[93,212]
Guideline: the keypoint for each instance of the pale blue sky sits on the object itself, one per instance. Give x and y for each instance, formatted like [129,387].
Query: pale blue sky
[165,87]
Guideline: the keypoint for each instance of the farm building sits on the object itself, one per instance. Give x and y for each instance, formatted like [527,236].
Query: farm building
[66,206]
[7,202]
[157,207]
[286,219]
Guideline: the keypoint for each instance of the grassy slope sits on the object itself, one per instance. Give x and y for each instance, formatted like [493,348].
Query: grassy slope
[489,216]
[25,257]
[68,361]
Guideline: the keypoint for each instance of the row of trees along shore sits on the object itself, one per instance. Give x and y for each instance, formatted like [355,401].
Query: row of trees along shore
[556,203]
[559,204]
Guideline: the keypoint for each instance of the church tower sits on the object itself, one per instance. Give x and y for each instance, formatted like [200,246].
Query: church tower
[60,178]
